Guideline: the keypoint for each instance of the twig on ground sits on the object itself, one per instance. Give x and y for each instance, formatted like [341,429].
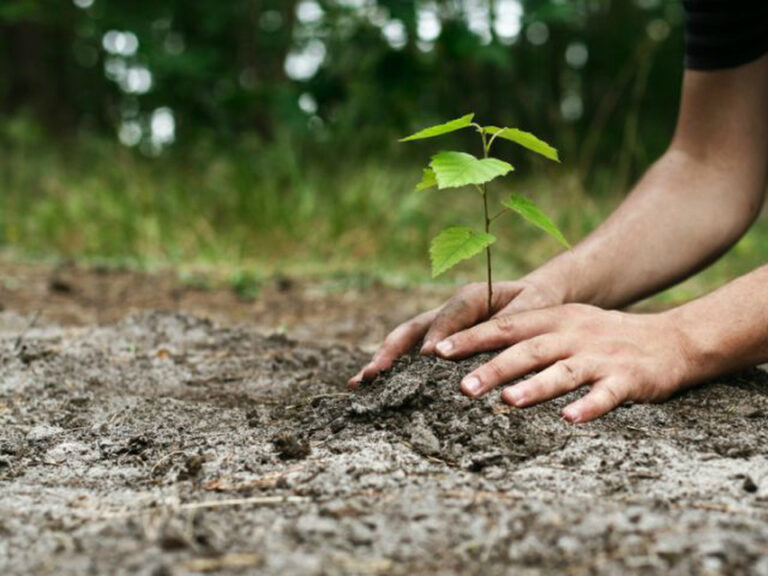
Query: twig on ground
[17,344]
[163,459]
[256,500]
[209,504]
[222,563]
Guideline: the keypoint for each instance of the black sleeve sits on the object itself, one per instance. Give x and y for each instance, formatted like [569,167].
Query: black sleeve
[724,33]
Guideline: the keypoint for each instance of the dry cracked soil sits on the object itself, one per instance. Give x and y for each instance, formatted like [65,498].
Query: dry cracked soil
[167,444]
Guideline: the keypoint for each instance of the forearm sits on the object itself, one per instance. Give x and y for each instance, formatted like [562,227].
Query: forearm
[728,329]
[680,217]
[693,204]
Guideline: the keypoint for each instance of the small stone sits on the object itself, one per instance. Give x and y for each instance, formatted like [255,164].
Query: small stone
[290,447]
[749,485]
[424,440]
[43,432]
[750,412]
[257,417]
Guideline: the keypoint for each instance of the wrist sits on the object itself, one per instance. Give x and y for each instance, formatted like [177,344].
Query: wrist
[562,279]
[703,352]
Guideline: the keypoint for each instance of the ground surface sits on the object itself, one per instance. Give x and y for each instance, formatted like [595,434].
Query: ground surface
[344,309]
[165,443]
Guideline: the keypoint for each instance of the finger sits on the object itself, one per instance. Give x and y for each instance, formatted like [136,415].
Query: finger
[397,343]
[604,397]
[498,332]
[514,363]
[557,380]
[525,301]
[465,309]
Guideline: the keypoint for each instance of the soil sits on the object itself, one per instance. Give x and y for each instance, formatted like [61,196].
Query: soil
[165,443]
[350,309]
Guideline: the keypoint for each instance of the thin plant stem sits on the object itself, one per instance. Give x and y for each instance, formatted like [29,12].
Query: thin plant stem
[486,150]
[499,214]
[488,252]
[491,141]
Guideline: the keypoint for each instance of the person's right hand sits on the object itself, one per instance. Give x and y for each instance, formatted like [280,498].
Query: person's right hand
[465,309]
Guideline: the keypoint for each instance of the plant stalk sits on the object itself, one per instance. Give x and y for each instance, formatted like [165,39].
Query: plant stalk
[488,252]
[486,153]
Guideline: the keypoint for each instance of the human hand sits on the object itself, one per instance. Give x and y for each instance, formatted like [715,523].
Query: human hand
[622,356]
[465,309]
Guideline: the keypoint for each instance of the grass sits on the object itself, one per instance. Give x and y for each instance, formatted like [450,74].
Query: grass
[255,210]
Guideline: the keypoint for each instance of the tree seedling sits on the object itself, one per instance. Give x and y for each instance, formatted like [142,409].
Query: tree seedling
[459,169]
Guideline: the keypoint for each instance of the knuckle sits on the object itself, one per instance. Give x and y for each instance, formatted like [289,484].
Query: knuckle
[569,373]
[395,337]
[392,338]
[495,371]
[615,317]
[633,373]
[446,317]
[593,364]
[403,329]
[537,350]
[457,305]
[650,393]
[615,396]
[504,323]
[575,308]
[467,291]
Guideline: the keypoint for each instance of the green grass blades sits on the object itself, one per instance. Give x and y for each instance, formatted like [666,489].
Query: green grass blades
[453,245]
[440,129]
[457,169]
[533,214]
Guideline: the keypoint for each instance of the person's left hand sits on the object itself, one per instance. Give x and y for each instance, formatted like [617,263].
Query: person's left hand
[622,356]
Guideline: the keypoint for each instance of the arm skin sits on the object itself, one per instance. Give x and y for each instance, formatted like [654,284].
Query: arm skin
[642,358]
[693,204]
[647,358]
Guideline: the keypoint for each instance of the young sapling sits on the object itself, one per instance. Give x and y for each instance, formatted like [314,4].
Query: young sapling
[460,169]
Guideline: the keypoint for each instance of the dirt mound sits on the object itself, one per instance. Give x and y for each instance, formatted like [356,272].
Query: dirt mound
[168,445]
[419,403]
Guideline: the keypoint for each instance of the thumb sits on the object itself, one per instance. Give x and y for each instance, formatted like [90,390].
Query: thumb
[529,298]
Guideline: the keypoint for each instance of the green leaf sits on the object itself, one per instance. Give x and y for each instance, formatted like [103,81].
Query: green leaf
[453,245]
[524,139]
[456,169]
[428,180]
[533,214]
[440,129]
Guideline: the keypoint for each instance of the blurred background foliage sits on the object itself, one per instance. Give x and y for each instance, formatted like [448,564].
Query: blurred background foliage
[265,131]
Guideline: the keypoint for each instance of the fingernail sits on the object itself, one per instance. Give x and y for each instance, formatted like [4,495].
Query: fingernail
[572,415]
[445,347]
[514,397]
[364,372]
[471,385]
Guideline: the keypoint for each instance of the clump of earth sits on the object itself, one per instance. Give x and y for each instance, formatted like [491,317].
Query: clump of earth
[165,444]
